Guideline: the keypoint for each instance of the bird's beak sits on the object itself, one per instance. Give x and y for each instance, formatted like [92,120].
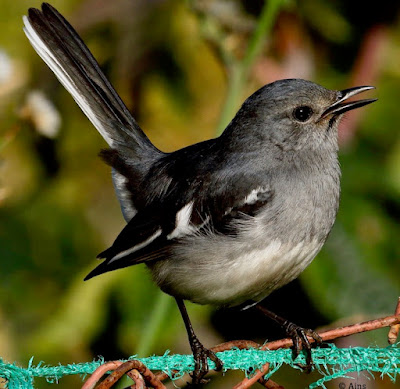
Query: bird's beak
[340,106]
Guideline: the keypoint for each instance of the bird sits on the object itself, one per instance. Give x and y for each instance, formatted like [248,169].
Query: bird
[225,221]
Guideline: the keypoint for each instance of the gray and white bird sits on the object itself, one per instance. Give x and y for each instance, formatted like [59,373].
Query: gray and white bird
[225,221]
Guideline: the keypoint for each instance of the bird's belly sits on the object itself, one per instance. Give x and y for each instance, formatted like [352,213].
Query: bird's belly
[226,271]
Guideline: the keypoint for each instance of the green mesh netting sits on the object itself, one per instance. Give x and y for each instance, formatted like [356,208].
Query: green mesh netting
[331,362]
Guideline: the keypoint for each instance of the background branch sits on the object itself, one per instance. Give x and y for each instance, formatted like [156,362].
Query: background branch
[389,321]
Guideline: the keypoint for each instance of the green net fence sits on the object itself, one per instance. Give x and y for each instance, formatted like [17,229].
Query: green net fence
[331,362]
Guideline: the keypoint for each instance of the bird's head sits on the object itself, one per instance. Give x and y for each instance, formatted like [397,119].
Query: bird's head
[294,114]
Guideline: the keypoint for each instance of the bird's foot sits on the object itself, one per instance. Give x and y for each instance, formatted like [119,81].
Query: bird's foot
[300,339]
[200,355]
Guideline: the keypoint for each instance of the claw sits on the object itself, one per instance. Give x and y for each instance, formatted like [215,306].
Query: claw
[298,334]
[200,355]
[300,339]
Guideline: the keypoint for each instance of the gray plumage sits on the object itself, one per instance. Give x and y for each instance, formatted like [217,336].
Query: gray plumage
[264,147]
[225,221]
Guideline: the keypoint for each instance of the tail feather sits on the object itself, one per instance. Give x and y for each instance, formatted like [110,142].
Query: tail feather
[65,53]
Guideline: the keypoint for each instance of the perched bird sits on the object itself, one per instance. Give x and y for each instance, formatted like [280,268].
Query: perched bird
[225,221]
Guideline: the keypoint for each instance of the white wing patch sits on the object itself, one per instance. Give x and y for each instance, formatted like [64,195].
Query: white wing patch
[48,57]
[252,198]
[137,247]
[182,223]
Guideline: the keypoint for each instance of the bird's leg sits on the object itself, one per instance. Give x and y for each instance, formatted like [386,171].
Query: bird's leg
[298,334]
[200,353]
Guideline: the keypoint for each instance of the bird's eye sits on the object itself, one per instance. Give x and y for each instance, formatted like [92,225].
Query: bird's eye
[303,113]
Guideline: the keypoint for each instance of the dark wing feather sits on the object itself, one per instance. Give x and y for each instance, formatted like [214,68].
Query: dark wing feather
[184,193]
[144,226]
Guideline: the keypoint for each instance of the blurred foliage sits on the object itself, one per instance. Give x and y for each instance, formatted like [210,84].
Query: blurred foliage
[173,63]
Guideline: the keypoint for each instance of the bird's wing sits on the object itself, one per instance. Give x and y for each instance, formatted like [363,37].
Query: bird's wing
[151,233]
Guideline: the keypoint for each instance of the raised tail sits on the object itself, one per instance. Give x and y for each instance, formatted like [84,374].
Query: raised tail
[59,45]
